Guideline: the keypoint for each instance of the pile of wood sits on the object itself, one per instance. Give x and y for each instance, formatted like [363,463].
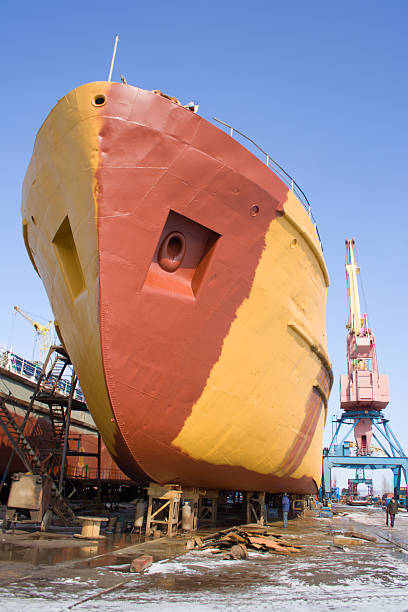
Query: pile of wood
[234,543]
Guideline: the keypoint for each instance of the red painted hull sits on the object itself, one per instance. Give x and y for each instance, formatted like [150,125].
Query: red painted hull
[197,245]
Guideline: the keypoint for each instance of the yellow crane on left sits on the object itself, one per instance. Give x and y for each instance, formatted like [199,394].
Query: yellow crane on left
[43,333]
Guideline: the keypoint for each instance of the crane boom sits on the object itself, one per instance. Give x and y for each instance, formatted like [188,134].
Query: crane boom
[363,387]
[355,322]
[43,332]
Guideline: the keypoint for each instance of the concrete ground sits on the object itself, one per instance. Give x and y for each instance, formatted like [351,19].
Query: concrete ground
[373,576]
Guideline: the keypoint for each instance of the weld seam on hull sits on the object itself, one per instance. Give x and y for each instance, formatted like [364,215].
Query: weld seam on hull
[314,347]
[305,235]
[318,389]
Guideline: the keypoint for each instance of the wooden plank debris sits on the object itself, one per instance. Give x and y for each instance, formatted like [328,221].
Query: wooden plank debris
[340,541]
[248,537]
[361,536]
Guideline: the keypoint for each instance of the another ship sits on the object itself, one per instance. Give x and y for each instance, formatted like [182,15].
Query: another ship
[18,382]
[189,288]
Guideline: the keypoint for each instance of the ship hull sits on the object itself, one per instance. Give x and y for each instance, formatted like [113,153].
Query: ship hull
[189,288]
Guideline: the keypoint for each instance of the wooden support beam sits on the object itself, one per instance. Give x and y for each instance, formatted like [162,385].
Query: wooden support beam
[255,507]
[163,507]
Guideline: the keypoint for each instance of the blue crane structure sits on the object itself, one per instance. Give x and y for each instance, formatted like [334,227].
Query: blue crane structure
[363,396]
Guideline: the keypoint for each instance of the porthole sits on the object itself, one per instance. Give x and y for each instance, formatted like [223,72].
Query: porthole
[99,100]
[172,251]
[293,243]
[254,210]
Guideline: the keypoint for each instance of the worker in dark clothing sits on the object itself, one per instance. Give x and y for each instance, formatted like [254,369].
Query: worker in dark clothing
[387,502]
[392,510]
[285,509]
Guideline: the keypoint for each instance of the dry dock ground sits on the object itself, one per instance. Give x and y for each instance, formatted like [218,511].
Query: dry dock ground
[369,576]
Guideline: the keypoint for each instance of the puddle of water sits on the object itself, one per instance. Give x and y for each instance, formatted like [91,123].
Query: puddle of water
[30,550]
[158,550]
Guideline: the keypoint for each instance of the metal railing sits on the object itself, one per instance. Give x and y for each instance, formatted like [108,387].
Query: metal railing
[91,473]
[31,370]
[281,172]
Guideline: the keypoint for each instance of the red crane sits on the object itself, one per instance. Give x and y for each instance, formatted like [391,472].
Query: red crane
[362,388]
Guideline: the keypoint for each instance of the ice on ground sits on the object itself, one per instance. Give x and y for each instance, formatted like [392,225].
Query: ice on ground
[370,578]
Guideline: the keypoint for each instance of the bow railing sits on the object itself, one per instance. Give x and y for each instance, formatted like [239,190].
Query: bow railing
[281,172]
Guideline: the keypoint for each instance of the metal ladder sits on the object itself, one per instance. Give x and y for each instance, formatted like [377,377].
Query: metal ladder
[22,447]
[46,391]
[58,422]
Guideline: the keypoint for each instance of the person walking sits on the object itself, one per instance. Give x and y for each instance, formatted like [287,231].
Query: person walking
[285,509]
[387,501]
[392,510]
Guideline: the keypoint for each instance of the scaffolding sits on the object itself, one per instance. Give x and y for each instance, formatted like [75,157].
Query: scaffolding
[47,459]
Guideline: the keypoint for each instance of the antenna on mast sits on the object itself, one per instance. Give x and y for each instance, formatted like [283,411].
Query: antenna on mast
[113,57]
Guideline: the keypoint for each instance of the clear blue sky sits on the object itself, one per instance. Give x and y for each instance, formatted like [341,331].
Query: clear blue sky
[321,85]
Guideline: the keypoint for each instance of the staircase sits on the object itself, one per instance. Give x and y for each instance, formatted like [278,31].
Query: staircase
[18,440]
[57,418]
[48,391]
[51,381]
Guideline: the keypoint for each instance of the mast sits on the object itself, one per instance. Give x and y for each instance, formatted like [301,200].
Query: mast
[113,56]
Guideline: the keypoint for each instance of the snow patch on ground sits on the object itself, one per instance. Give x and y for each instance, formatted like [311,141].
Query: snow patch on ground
[368,578]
